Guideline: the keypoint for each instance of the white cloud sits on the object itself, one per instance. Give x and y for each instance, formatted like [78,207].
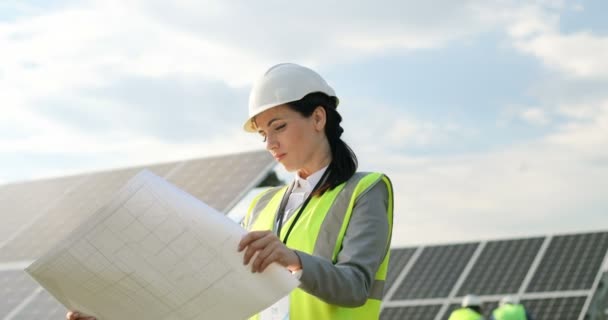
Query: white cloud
[581,54]
[535,116]
[320,31]
[588,136]
[552,185]
[534,29]
[391,128]
[581,111]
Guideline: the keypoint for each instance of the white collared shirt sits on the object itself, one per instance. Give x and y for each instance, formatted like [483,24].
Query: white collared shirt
[301,190]
[303,187]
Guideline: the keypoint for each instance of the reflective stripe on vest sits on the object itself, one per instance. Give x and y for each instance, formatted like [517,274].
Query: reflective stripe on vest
[510,312]
[320,232]
[465,314]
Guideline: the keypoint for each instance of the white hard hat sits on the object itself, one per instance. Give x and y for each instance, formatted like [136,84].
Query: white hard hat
[509,300]
[471,300]
[282,83]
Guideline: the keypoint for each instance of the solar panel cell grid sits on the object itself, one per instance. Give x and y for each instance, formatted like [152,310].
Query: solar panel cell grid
[216,180]
[570,263]
[435,272]
[77,205]
[501,267]
[43,306]
[399,258]
[15,286]
[23,202]
[556,308]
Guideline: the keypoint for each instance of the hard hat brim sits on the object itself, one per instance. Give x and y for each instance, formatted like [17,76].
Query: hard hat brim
[249,125]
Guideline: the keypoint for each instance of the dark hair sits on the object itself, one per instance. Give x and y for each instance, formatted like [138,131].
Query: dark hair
[343,160]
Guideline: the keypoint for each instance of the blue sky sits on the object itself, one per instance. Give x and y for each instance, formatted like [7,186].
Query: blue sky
[491,117]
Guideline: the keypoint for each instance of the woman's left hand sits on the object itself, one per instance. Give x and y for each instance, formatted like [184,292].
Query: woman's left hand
[270,249]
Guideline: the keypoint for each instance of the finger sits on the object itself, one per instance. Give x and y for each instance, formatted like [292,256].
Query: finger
[273,257]
[71,315]
[75,315]
[251,237]
[263,256]
[257,245]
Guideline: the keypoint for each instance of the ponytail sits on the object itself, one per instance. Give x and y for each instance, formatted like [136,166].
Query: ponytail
[343,160]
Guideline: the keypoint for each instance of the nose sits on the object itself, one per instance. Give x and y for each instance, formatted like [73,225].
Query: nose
[271,142]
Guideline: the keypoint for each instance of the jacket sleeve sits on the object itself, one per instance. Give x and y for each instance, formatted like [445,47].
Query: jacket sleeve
[347,282]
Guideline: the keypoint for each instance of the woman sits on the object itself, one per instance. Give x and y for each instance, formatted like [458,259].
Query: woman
[332,226]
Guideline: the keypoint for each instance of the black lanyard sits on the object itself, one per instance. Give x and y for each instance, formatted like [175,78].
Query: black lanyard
[281,213]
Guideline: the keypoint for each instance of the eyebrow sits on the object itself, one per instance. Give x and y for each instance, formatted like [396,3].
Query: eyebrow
[270,122]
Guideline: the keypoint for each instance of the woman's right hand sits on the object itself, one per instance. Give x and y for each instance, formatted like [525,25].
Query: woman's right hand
[75,315]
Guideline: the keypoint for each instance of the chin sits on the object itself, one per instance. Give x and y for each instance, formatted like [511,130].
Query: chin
[289,168]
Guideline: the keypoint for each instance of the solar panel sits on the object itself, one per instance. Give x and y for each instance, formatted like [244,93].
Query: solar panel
[22,202]
[399,258]
[567,308]
[561,274]
[435,272]
[217,180]
[411,312]
[75,206]
[570,263]
[43,306]
[501,267]
[15,286]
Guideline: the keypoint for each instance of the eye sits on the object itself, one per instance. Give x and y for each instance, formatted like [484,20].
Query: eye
[263,135]
[281,127]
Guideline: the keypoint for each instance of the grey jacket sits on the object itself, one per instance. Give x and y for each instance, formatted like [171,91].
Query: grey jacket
[350,281]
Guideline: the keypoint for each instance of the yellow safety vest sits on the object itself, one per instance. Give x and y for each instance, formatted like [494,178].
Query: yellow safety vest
[308,236]
[510,312]
[465,314]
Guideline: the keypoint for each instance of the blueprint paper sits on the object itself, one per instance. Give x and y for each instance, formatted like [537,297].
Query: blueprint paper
[156,252]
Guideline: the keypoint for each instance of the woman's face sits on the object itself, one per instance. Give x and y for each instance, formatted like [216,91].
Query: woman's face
[293,140]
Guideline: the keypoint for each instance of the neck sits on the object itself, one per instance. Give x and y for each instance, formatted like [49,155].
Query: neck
[320,161]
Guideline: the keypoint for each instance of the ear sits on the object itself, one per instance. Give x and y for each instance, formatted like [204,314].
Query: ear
[319,118]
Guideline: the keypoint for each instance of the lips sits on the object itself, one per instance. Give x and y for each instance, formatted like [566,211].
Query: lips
[278,157]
